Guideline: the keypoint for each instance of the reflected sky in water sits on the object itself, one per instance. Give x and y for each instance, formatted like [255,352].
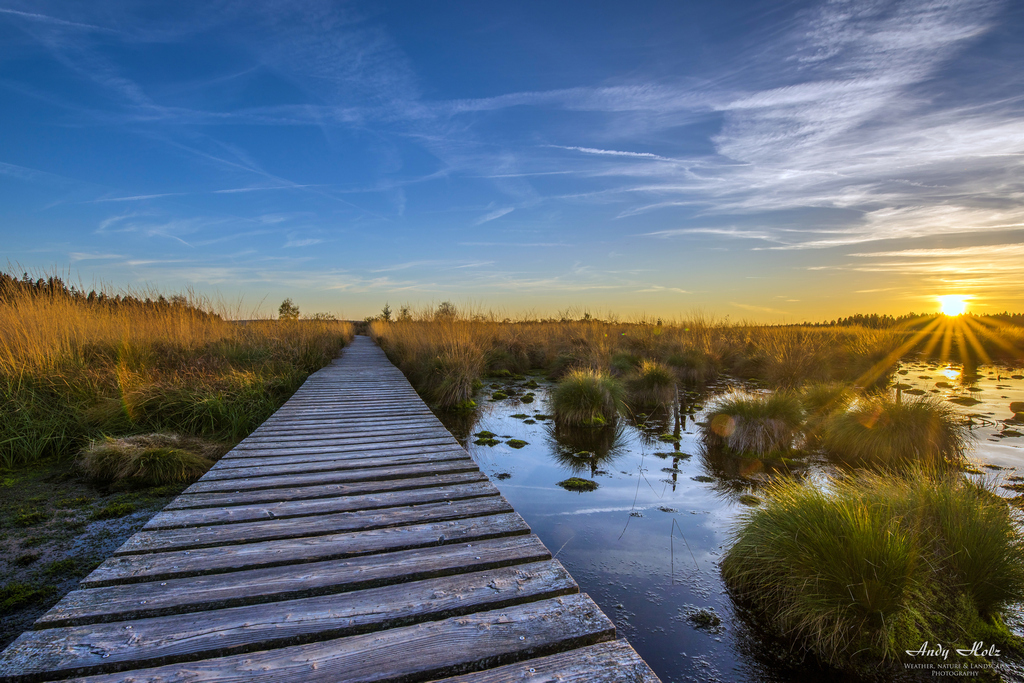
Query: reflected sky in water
[646,544]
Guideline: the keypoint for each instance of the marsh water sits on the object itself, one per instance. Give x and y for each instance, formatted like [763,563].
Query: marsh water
[647,542]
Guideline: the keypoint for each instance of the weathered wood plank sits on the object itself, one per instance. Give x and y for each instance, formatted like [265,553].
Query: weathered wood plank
[612,662]
[220,535]
[216,633]
[170,519]
[464,643]
[421,431]
[373,452]
[163,565]
[201,500]
[253,586]
[337,464]
[341,446]
[354,427]
[377,473]
[432,432]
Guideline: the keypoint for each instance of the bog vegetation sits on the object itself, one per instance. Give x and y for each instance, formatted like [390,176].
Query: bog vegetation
[76,368]
[869,566]
[898,549]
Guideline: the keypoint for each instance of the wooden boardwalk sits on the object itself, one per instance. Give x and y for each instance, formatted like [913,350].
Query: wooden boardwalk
[349,538]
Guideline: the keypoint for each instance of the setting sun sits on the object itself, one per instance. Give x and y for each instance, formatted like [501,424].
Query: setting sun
[952,304]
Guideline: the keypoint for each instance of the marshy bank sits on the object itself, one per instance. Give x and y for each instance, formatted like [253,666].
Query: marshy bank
[78,374]
[642,508]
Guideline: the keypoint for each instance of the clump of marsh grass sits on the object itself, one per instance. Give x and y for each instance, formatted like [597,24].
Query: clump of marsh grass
[692,366]
[149,459]
[756,425]
[653,384]
[882,431]
[586,397]
[869,566]
[821,400]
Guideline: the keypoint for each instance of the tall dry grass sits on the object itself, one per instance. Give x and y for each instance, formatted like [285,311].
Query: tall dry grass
[73,369]
[443,355]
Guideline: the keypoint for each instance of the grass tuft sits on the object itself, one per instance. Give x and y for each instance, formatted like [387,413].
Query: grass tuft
[149,459]
[882,431]
[586,397]
[755,425]
[869,566]
[653,384]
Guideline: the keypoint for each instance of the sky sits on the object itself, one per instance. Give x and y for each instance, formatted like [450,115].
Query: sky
[756,160]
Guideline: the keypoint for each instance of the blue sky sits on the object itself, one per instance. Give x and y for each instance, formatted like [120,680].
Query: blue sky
[772,160]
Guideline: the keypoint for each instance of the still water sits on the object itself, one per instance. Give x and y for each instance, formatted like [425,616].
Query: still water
[647,542]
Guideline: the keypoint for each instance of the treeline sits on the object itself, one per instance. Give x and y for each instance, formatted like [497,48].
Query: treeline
[875,321]
[12,287]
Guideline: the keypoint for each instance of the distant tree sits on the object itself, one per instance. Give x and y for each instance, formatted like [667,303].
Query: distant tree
[385,313]
[288,311]
[404,314]
[446,311]
[328,317]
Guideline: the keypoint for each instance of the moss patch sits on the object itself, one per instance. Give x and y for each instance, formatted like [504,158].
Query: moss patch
[578,485]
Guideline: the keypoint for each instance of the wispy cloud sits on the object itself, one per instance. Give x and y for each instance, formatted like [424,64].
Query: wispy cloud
[493,215]
[85,256]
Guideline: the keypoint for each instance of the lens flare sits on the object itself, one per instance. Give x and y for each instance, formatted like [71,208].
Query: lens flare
[952,304]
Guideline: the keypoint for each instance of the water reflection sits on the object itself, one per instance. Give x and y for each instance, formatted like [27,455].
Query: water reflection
[584,450]
[647,544]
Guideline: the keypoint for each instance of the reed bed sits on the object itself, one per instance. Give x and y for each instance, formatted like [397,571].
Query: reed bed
[74,369]
[866,567]
[443,354]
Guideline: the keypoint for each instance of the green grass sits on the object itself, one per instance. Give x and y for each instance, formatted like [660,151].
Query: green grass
[18,594]
[881,431]
[861,569]
[149,459]
[755,425]
[653,384]
[586,397]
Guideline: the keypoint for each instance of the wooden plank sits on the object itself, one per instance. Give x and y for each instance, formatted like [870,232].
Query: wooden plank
[337,464]
[612,662]
[160,540]
[285,446]
[201,500]
[170,519]
[164,565]
[254,586]
[341,446]
[377,473]
[295,527]
[216,633]
[420,430]
[333,426]
[260,460]
[464,643]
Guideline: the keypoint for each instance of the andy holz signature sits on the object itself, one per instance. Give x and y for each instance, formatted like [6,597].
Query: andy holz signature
[977,650]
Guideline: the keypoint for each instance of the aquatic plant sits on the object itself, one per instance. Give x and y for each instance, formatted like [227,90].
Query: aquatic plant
[757,425]
[652,384]
[586,397]
[880,430]
[868,566]
[578,485]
